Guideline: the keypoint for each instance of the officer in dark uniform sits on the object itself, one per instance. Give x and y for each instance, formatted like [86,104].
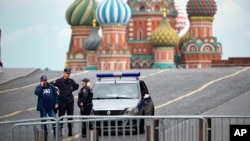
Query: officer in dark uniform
[85,96]
[66,86]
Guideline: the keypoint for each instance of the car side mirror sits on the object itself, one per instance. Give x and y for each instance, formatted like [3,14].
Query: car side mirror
[146,96]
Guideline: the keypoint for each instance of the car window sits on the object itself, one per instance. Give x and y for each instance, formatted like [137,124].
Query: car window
[144,89]
[115,90]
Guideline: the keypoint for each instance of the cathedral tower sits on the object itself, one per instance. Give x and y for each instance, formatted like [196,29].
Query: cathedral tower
[146,17]
[79,15]
[91,44]
[113,53]
[201,47]
[165,39]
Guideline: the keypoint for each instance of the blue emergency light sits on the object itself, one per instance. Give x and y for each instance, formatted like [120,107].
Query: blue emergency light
[118,74]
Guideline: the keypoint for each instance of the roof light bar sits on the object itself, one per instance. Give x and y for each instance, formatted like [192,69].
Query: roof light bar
[118,74]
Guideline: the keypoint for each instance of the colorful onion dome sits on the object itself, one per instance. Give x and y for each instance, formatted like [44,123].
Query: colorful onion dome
[94,39]
[113,12]
[181,19]
[164,34]
[81,12]
[201,8]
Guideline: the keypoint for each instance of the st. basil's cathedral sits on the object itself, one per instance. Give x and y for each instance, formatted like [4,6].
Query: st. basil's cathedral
[141,34]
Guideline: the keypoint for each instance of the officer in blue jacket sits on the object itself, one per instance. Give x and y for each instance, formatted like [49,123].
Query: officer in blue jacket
[47,101]
[66,86]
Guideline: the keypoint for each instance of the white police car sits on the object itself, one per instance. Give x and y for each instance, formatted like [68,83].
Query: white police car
[121,94]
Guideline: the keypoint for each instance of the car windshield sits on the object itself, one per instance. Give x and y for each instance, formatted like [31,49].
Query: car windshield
[116,91]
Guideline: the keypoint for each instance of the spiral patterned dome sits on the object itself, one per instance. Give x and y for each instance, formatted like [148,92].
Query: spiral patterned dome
[113,12]
[164,35]
[181,19]
[81,12]
[93,40]
[201,8]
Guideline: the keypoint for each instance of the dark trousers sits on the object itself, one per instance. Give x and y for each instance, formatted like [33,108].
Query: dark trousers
[65,106]
[85,111]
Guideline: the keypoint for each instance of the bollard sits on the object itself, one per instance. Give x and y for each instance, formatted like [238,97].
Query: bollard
[93,135]
[39,135]
[152,133]
[203,130]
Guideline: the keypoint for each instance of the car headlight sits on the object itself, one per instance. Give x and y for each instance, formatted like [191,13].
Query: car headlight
[132,111]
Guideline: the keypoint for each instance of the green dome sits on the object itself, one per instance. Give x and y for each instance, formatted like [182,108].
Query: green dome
[164,35]
[81,12]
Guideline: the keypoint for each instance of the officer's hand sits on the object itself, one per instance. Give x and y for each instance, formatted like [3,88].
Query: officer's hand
[81,104]
[56,106]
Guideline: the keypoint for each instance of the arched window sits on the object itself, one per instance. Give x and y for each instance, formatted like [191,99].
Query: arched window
[157,8]
[142,8]
[139,34]
[137,65]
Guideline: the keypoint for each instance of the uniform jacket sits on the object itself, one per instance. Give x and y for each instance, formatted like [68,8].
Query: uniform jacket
[85,95]
[66,88]
[53,96]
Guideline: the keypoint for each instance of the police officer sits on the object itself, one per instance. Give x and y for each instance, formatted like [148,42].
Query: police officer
[66,86]
[84,101]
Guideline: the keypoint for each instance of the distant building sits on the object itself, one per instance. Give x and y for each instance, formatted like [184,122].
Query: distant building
[141,34]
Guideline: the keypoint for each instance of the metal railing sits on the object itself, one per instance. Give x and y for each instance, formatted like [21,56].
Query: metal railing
[133,128]
[219,126]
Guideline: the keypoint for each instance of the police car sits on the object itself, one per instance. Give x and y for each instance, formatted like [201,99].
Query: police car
[121,93]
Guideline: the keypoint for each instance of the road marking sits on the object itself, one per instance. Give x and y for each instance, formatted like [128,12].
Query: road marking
[201,88]
[12,114]
[31,109]
[32,85]
[152,74]
[160,71]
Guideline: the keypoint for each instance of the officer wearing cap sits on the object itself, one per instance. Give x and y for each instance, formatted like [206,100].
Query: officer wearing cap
[47,101]
[66,86]
[85,96]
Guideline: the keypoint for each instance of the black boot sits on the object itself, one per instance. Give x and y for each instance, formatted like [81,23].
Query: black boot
[70,130]
[54,132]
[83,130]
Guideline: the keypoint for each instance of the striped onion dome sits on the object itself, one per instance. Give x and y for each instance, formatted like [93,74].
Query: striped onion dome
[201,8]
[181,19]
[93,40]
[164,34]
[113,12]
[81,12]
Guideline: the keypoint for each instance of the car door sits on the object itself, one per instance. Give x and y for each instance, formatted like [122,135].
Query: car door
[147,101]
